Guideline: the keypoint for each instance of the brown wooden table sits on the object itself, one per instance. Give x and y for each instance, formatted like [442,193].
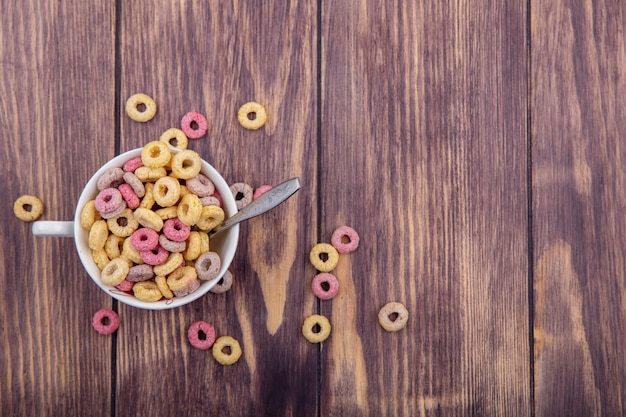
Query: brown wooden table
[477,147]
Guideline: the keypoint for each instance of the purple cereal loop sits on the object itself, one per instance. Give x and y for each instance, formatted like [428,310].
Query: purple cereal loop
[195,284]
[114,213]
[144,239]
[136,184]
[139,273]
[108,200]
[170,245]
[193,334]
[208,265]
[132,164]
[176,230]
[129,196]
[260,191]
[210,200]
[318,285]
[337,239]
[223,284]
[200,185]
[155,256]
[111,178]
[242,193]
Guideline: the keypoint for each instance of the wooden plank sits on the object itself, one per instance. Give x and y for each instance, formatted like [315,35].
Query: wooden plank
[578,121]
[424,154]
[56,114]
[213,57]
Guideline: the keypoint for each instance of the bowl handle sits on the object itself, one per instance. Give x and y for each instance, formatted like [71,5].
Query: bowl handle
[53,228]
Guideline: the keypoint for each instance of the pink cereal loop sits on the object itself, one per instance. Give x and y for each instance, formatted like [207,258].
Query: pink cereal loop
[323,280]
[132,164]
[260,191]
[155,256]
[103,315]
[200,120]
[201,335]
[108,200]
[128,194]
[144,239]
[345,233]
[125,286]
[175,230]
[217,195]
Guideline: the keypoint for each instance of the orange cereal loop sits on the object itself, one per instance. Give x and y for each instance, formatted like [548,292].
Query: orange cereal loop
[171,263]
[124,224]
[194,247]
[166,191]
[211,217]
[129,252]
[98,235]
[148,199]
[181,278]
[189,209]
[100,258]
[147,291]
[186,164]
[114,272]
[148,218]
[155,154]
[252,115]
[324,257]
[113,246]
[176,138]
[167,213]
[226,350]
[89,215]
[28,208]
[150,174]
[140,107]
[161,282]
[316,328]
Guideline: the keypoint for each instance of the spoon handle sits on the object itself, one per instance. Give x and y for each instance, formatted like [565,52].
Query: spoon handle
[263,203]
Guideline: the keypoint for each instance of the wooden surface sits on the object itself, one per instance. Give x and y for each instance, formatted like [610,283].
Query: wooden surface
[475,146]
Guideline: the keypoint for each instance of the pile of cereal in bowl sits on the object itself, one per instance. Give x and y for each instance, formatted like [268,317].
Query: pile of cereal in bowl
[148,226]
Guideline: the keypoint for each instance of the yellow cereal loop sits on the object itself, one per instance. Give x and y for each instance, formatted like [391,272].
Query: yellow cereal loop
[89,215]
[181,278]
[129,252]
[147,291]
[28,208]
[186,164]
[167,212]
[98,235]
[204,242]
[100,258]
[113,246]
[252,115]
[155,154]
[147,174]
[176,138]
[316,328]
[194,246]
[148,199]
[166,191]
[148,218]
[210,217]
[114,272]
[189,209]
[124,224]
[171,263]
[226,350]
[161,282]
[140,107]
[324,257]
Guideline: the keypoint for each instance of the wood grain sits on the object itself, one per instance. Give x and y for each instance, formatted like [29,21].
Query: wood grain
[424,153]
[56,102]
[212,58]
[577,104]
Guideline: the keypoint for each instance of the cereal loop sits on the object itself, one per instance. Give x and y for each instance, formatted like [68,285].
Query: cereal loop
[316,328]
[393,316]
[124,224]
[345,239]
[210,201]
[176,230]
[181,278]
[194,125]
[175,138]
[166,191]
[113,246]
[324,257]
[186,291]
[132,164]
[252,115]
[148,218]
[201,335]
[260,191]
[144,239]
[208,266]
[138,273]
[167,213]
[204,242]
[189,209]
[147,291]
[148,174]
[135,183]
[125,285]
[223,284]
[98,235]
[220,351]
[114,213]
[210,217]
[130,253]
[170,245]
[155,154]
[108,200]
[89,215]
[243,194]
[161,282]
[325,286]
[105,321]
[100,257]
[172,262]
[129,196]
[114,272]
[200,185]
[186,164]
[110,179]
[140,107]
[148,199]
[155,256]
[194,247]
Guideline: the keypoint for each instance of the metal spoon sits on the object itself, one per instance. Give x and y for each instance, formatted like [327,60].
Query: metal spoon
[263,203]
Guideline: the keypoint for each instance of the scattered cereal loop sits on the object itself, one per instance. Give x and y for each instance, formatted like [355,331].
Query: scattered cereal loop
[345,239]
[220,350]
[140,107]
[325,286]
[201,335]
[28,208]
[105,321]
[316,328]
[176,138]
[324,257]
[194,125]
[252,115]
[393,316]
